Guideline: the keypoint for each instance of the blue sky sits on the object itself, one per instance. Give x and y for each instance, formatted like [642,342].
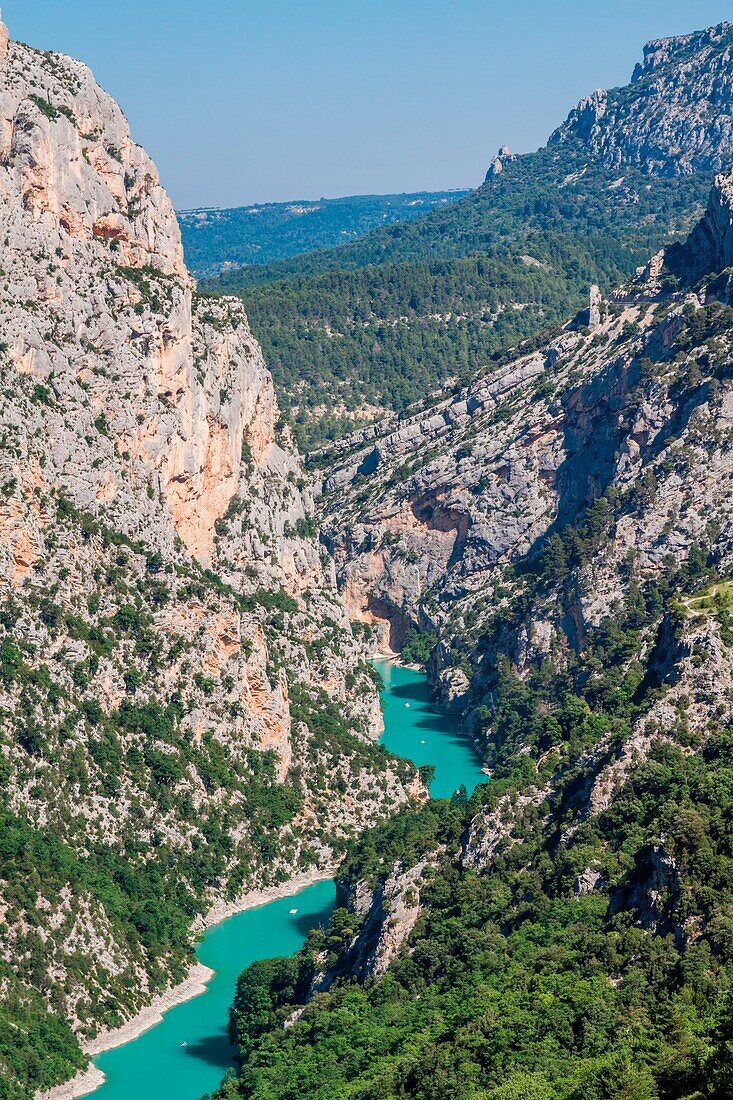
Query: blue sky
[262,100]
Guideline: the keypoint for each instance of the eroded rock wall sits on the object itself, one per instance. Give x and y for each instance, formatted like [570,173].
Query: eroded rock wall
[179,675]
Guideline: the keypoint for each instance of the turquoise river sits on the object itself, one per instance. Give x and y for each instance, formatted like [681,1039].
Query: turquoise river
[158,1065]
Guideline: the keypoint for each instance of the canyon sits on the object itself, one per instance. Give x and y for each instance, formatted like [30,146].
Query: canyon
[561,530]
[187,713]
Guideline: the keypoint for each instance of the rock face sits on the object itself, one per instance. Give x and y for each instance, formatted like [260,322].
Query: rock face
[710,246]
[106,309]
[497,165]
[435,516]
[585,487]
[675,116]
[387,914]
[179,676]
[595,308]
[454,491]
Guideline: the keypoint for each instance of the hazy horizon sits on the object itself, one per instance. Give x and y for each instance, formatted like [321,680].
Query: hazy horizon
[243,103]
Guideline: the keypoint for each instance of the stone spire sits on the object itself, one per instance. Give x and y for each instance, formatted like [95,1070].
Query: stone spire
[497,165]
[595,304]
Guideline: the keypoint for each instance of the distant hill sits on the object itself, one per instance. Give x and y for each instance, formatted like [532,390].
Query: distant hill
[215,240]
[368,327]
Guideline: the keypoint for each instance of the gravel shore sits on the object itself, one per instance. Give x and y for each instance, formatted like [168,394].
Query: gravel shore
[88,1080]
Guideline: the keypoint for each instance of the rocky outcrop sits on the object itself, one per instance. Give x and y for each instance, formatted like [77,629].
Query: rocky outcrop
[504,156]
[674,118]
[387,916]
[697,699]
[499,828]
[710,245]
[661,51]
[653,895]
[389,919]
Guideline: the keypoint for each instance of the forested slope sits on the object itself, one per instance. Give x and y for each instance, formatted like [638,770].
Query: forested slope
[264,233]
[629,170]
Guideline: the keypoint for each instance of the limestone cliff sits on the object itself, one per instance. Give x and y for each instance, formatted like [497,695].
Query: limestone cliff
[185,709]
[673,119]
[98,307]
[437,518]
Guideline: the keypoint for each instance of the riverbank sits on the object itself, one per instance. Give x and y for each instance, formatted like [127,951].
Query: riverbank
[89,1080]
[193,985]
[85,1082]
[396,659]
[223,910]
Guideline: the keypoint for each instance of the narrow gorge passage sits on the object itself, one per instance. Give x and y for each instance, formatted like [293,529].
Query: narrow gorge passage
[415,729]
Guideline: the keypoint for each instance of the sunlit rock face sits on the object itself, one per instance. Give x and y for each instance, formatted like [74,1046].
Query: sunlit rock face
[158,556]
[674,118]
[97,297]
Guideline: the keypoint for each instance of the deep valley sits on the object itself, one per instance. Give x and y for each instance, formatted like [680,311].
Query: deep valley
[489,479]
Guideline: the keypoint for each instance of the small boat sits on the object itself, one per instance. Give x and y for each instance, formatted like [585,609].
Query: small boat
[184,1044]
[293,911]
[423,742]
[407,704]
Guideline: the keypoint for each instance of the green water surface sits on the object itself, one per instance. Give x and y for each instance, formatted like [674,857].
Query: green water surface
[157,1065]
[413,728]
